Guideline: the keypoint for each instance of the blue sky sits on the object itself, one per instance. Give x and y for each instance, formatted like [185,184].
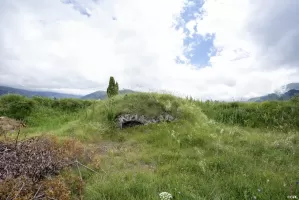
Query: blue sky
[201,48]
[81,8]
[199,55]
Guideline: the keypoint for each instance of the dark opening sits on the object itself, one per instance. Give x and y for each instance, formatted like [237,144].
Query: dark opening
[131,124]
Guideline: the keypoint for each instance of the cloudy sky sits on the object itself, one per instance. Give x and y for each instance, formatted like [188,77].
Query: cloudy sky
[219,49]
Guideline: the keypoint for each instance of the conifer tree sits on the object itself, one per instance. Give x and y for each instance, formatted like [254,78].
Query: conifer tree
[116,88]
[112,89]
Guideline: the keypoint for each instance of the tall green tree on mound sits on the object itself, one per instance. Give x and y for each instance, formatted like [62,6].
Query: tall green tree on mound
[112,89]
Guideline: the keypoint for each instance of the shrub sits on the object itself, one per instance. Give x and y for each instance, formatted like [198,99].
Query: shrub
[28,168]
[43,101]
[16,106]
[37,157]
[70,105]
[295,99]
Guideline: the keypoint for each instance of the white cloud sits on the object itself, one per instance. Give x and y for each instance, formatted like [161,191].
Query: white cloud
[47,44]
[241,53]
[51,40]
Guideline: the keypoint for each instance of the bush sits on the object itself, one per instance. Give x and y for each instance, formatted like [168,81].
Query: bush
[295,99]
[65,104]
[16,106]
[70,105]
[37,157]
[43,101]
[21,108]
[29,167]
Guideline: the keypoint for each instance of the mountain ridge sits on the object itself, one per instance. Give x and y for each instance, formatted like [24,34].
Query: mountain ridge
[286,92]
[30,93]
[102,94]
[276,96]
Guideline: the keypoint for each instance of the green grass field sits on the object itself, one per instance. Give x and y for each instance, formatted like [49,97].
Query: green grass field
[213,151]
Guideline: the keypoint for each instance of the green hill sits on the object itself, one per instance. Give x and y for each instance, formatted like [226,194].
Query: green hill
[212,150]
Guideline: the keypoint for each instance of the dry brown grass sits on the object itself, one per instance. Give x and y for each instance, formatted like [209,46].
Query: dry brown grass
[23,188]
[10,125]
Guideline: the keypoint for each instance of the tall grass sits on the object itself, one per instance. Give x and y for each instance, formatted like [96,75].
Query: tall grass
[282,115]
[192,158]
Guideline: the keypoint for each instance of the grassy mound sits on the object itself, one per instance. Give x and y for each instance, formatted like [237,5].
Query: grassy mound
[99,120]
[199,156]
[147,104]
[193,158]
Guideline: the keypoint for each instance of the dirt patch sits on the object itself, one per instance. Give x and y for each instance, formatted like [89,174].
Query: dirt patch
[8,125]
[110,151]
[104,147]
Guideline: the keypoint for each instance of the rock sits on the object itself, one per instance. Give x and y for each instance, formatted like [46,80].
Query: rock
[161,118]
[169,117]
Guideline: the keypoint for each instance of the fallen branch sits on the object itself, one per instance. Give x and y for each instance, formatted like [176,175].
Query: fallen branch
[17,137]
[79,170]
[89,168]
[36,192]
[19,191]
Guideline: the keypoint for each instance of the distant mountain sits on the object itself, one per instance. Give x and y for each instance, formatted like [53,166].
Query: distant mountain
[289,94]
[276,97]
[103,94]
[288,87]
[95,95]
[292,86]
[268,97]
[9,90]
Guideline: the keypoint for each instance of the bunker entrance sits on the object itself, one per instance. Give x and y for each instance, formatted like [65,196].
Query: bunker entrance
[131,124]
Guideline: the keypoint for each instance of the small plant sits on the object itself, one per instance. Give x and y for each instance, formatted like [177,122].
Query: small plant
[110,111]
[165,196]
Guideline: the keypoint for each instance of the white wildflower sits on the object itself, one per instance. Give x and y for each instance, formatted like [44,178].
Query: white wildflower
[165,196]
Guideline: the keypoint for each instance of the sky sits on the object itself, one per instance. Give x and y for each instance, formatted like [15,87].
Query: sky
[209,49]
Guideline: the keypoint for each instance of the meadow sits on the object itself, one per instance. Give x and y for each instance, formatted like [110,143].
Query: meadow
[214,150]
